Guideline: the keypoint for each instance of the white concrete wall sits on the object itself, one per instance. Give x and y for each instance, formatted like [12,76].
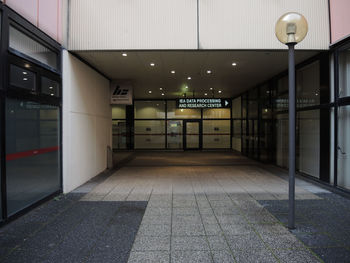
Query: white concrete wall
[190,24]
[87,124]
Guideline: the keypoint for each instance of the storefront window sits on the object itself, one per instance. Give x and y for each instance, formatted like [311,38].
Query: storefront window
[175,134]
[344,147]
[237,108]
[216,113]
[282,140]
[308,85]
[118,112]
[236,136]
[22,78]
[32,153]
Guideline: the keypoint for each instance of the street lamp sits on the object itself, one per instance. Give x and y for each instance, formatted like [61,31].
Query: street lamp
[290,29]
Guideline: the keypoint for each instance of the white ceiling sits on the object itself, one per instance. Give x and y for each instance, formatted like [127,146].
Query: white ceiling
[253,67]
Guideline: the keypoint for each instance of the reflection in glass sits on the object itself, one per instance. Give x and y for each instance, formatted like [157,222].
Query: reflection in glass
[344,147]
[32,153]
[32,48]
[150,109]
[344,73]
[308,85]
[50,87]
[282,140]
[174,113]
[119,134]
[22,78]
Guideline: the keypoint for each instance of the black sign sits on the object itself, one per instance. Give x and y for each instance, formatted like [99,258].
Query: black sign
[206,103]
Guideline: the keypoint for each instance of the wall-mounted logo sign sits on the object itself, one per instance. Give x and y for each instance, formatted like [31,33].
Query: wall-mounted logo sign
[121,93]
[206,103]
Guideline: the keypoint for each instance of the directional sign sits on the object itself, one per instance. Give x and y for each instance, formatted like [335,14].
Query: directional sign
[205,103]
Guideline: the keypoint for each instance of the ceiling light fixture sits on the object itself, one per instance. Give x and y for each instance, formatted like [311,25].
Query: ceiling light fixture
[186,87]
[52,94]
[25,79]
[50,87]
[189,78]
[160,88]
[234,64]
[211,88]
[220,91]
[172,72]
[25,72]
[163,94]
[205,94]
[152,64]
[150,91]
[124,55]
[208,71]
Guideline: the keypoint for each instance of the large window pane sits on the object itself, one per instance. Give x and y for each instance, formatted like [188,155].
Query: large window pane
[32,153]
[50,87]
[149,134]
[236,136]
[216,113]
[28,46]
[237,108]
[149,110]
[119,134]
[118,112]
[309,142]
[22,78]
[282,140]
[216,134]
[175,134]
[344,73]
[344,147]
[174,113]
[308,85]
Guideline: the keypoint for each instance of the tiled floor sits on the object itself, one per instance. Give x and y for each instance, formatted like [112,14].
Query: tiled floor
[201,207]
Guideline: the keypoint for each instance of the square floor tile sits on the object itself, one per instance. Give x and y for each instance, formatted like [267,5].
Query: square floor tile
[189,243]
[149,257]
[191,257]
[147,243]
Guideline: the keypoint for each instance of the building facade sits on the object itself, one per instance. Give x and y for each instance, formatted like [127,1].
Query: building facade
[59,59]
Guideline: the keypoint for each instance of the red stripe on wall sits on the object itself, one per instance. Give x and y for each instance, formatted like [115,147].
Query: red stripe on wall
[19,155]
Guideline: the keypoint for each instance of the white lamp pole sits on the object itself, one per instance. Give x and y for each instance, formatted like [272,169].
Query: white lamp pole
[290,29]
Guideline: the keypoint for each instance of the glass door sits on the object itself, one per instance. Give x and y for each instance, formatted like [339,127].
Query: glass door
[192,135]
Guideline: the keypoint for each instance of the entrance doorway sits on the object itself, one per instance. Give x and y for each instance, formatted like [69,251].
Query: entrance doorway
[192,135]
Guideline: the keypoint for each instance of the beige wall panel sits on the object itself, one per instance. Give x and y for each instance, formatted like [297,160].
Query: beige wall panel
[249,24]
[87,122]
[136,24]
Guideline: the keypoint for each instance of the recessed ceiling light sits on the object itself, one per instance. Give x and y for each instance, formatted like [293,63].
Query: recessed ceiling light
[172,72]
[208,71]
[25,72]
[189,78]
[152,64]
[124,55]
[182,110]
[163,94]
[234,64]
[220,91]
[205,94]
[150,91]
[186,87]
[52,94]
[50,87]
[25,79]
[160,88]
[27,65]
[211,88]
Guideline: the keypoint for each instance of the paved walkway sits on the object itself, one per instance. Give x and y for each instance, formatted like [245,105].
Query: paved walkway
[201,207]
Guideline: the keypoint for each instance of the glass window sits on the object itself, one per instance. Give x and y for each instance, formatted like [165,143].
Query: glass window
[308,85]
[344,73]
[149,110]
[32,153]
[118,112]
[282,140]
[344,147]
[28,46]
[216,134]
[216,113]
[174,134]
[308,147]
[50,87]
[236,108]
[174,113]
[149,134]
[22,78]
[119,134]
[236,136]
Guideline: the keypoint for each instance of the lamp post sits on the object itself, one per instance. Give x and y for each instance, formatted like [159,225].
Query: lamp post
[290,29]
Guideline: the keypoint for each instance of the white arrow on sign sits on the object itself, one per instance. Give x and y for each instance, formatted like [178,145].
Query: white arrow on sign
[226,102]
